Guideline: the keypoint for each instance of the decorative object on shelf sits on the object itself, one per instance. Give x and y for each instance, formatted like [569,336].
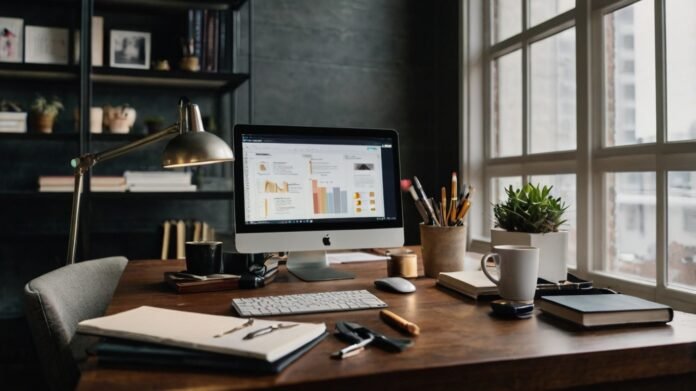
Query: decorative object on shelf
[161,65]
[12,118]
[11,39]
[97,42]
[43,113]
[154,124]
[129,49]
[45,45]
[96,119]
[531,216]
[192,146]
[119,119]
[189,61]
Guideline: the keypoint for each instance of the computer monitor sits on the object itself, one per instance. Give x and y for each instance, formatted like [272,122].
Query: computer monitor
[307,190]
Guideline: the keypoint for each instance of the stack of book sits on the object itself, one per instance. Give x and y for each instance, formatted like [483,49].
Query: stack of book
[209,32]
[67,183]
[158,181]
[161,337]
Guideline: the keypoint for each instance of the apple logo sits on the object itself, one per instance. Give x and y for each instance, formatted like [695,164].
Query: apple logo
[326,240]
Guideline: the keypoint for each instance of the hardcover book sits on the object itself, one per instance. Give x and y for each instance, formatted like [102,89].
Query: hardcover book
[605,310]
[470,283]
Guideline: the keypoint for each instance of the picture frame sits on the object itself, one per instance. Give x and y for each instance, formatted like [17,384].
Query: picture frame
[46,45]
[129,49]
[11,39]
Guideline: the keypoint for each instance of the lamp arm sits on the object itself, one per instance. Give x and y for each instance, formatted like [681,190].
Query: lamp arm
[85,162]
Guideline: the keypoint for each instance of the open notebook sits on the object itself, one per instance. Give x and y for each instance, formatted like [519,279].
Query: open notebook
[197,331]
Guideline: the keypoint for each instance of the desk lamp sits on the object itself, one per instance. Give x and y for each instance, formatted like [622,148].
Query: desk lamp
[192,146]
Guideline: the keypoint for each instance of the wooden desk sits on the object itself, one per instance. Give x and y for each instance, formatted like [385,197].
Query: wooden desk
[460,345]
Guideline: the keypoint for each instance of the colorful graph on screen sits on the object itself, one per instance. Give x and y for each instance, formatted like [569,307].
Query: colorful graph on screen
[333,200]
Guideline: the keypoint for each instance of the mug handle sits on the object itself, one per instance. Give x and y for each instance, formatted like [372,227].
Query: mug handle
[496,258]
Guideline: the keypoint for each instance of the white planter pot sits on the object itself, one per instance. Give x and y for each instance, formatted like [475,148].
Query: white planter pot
[553,250]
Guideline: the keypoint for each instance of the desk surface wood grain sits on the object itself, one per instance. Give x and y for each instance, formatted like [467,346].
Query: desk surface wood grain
[460,343]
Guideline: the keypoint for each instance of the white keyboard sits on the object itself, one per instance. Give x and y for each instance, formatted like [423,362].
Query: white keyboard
[306,303]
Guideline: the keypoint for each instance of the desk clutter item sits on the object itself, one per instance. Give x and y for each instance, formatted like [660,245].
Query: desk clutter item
[443,249]
[518,267]
[196,331]
[183,283]
[183,231]
[307,303]
[360,337]
[204,257]
[512,309]
[402,262]
[399,323]
[395,284]
[113,351]
[605,310]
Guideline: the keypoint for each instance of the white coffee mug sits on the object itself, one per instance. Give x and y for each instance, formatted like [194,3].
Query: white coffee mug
[518,268]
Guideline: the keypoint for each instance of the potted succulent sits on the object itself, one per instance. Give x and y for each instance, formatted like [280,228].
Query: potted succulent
[154,124]
[12,118]
[44,113]
[532,216]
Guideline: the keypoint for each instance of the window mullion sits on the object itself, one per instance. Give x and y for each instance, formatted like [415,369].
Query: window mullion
[525,83]
[661,213]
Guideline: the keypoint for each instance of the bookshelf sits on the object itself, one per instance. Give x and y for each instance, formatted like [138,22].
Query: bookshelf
[151,92]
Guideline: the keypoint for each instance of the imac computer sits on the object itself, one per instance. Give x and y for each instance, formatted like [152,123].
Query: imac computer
[308,190]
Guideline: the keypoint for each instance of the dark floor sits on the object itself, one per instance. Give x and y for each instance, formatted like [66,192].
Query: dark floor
[19,367]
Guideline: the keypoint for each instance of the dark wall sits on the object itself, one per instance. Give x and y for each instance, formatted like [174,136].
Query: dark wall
[364,63]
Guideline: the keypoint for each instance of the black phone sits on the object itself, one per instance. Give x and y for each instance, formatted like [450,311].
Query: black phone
[512,309]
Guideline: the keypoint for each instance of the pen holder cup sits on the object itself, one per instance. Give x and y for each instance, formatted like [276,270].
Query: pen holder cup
[443,249]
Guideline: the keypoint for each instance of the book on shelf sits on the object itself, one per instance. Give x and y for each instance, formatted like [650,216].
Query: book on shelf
[605,309]
[139,188]
[210,31]
[64,183]
[158,177]
[13,122]
[470,283]
[197,331]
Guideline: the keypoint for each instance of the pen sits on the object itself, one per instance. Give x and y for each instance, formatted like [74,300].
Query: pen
[453,200]
[419,204]
[443,203]
[436,208]
[424,200]
[353,349]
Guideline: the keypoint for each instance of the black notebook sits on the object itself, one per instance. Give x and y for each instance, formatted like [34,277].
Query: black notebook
[121,351]
[604,310]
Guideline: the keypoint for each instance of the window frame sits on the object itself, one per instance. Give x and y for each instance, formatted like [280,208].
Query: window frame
[591,158]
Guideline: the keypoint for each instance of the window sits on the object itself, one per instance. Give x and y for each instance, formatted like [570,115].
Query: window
[596,98]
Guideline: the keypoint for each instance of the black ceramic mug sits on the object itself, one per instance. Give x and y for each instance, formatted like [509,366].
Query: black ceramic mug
[203,258]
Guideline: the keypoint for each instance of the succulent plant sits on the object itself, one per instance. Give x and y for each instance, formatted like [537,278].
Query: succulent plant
[41,105]
[530,209]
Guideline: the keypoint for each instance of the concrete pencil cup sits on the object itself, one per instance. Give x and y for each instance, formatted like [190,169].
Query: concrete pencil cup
[443,249]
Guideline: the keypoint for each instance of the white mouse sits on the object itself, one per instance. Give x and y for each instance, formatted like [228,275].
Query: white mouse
[395,284]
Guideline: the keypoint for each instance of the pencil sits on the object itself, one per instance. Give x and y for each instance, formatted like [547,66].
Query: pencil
[453,199]
[443,202]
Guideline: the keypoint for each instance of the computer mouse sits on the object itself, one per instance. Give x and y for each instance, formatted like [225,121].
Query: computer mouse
[395,284]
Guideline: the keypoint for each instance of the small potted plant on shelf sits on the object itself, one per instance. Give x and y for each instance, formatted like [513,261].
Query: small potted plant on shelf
[154,124]
[532,216]
[44,113]
[12,118]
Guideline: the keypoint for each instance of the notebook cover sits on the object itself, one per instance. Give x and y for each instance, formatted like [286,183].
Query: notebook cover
[119,351]
[604,303]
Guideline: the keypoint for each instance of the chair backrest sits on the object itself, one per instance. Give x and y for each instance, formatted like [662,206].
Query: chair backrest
[57,301]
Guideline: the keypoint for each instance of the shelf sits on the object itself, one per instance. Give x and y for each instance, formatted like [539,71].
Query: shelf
[34,196]
[178,79]
[40,136]
[116,136]
[220,5]
[39,71]
[191,195]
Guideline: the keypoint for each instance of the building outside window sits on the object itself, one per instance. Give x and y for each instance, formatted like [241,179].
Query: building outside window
[596,99]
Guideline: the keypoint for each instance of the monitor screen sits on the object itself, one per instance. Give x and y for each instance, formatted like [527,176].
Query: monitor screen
[315,179]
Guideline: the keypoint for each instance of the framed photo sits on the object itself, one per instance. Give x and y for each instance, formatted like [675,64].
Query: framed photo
[11,39]
[129,49]
[46,45]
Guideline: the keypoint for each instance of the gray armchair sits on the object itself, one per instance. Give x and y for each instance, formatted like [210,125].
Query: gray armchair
[57,301]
